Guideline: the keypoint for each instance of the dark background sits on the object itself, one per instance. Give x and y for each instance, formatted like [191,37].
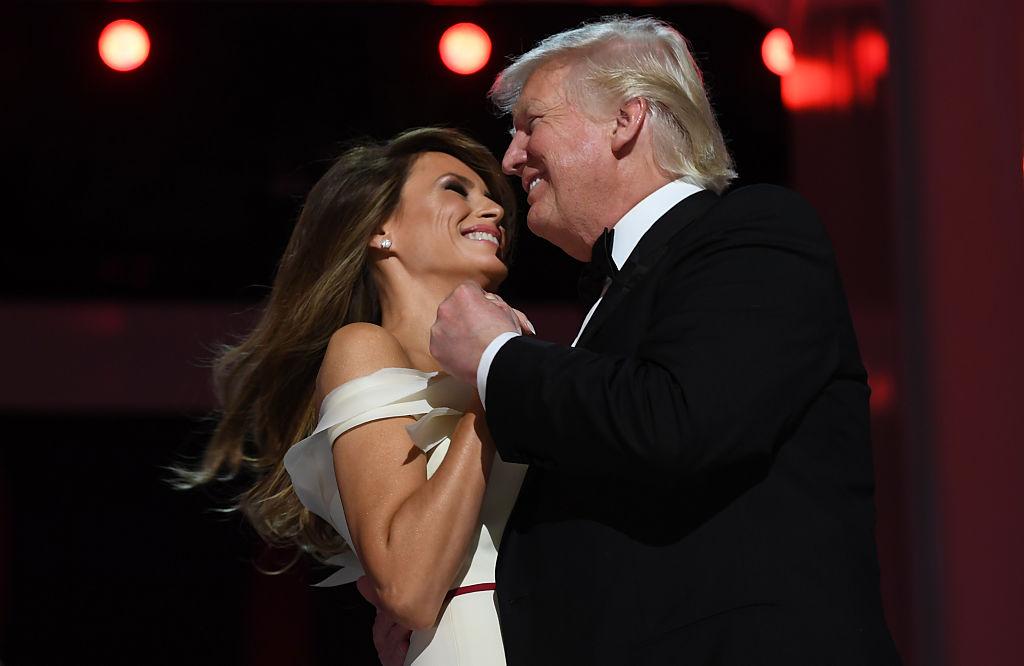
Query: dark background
[182,179]
[145,213]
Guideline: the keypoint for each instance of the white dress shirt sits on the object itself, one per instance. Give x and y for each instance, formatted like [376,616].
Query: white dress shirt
[628,232]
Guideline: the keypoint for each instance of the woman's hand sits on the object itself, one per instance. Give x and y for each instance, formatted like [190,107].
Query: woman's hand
[525,325]
[389,637]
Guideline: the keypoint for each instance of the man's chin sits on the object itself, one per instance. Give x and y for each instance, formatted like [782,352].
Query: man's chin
[543,228]
[570,245]
[536,222]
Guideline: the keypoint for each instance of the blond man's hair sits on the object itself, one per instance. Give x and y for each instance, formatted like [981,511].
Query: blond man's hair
[619,58]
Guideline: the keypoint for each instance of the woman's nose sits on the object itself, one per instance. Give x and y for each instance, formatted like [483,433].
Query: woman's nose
[491,211]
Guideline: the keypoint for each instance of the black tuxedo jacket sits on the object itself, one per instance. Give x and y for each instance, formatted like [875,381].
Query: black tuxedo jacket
[700,484]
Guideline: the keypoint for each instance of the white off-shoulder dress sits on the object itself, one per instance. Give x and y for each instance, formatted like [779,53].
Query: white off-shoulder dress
[467,631]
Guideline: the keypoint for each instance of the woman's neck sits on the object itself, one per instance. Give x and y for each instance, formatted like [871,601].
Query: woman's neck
[408,311]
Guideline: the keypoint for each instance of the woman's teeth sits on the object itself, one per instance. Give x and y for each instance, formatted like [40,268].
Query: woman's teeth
[535,183]
[481,235]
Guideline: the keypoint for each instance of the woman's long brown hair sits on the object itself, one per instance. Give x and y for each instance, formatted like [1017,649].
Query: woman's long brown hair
[265,383]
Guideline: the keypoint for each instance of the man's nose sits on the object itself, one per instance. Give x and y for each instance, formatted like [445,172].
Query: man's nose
[515,155]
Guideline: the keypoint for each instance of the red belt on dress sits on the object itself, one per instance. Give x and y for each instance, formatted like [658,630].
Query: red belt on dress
[479,587]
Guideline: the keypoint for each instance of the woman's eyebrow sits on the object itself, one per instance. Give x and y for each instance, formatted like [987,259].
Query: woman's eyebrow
[466,182]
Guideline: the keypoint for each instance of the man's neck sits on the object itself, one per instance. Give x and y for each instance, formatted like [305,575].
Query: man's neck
[632,226]
[632,191]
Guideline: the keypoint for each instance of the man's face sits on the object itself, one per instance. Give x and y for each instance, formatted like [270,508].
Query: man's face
[564,161]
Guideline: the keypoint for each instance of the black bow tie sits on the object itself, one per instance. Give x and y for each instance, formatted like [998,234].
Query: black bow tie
[600,269]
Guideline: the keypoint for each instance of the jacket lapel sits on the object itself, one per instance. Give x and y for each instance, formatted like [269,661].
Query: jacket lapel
[645,255]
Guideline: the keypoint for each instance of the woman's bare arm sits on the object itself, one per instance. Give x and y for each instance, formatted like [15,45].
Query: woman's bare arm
[410,533]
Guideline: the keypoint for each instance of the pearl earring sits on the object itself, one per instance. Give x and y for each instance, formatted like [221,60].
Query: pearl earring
[385,244]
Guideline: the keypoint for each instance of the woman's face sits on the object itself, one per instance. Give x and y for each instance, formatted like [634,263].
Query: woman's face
[447,225]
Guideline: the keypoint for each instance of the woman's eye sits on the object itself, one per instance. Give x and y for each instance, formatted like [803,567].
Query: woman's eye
[456,186]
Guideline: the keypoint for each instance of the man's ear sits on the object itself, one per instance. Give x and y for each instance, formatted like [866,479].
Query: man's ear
[631,116]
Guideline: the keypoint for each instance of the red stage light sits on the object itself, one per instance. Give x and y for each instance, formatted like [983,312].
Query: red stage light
[124,45]
[817,84]
[871,61]
[465,48]
[871,50]
[777,52]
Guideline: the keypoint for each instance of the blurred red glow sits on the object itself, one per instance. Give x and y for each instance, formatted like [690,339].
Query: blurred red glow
[833,78]
[465,48]
[124,45]
[883,391]
[871,51]
[816,84]
[101,320]
[777,52]
[871,61]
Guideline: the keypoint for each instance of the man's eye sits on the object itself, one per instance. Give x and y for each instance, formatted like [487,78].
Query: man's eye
[526,128]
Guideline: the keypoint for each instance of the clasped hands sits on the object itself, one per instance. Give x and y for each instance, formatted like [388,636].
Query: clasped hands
[467,321]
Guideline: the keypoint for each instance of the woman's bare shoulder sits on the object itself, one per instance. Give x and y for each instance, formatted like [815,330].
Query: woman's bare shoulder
[356,350]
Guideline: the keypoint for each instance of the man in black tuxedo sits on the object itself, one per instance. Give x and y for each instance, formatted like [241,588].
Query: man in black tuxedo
[700,482]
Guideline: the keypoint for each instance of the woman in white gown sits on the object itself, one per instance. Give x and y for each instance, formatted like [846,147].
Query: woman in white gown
[363,454]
